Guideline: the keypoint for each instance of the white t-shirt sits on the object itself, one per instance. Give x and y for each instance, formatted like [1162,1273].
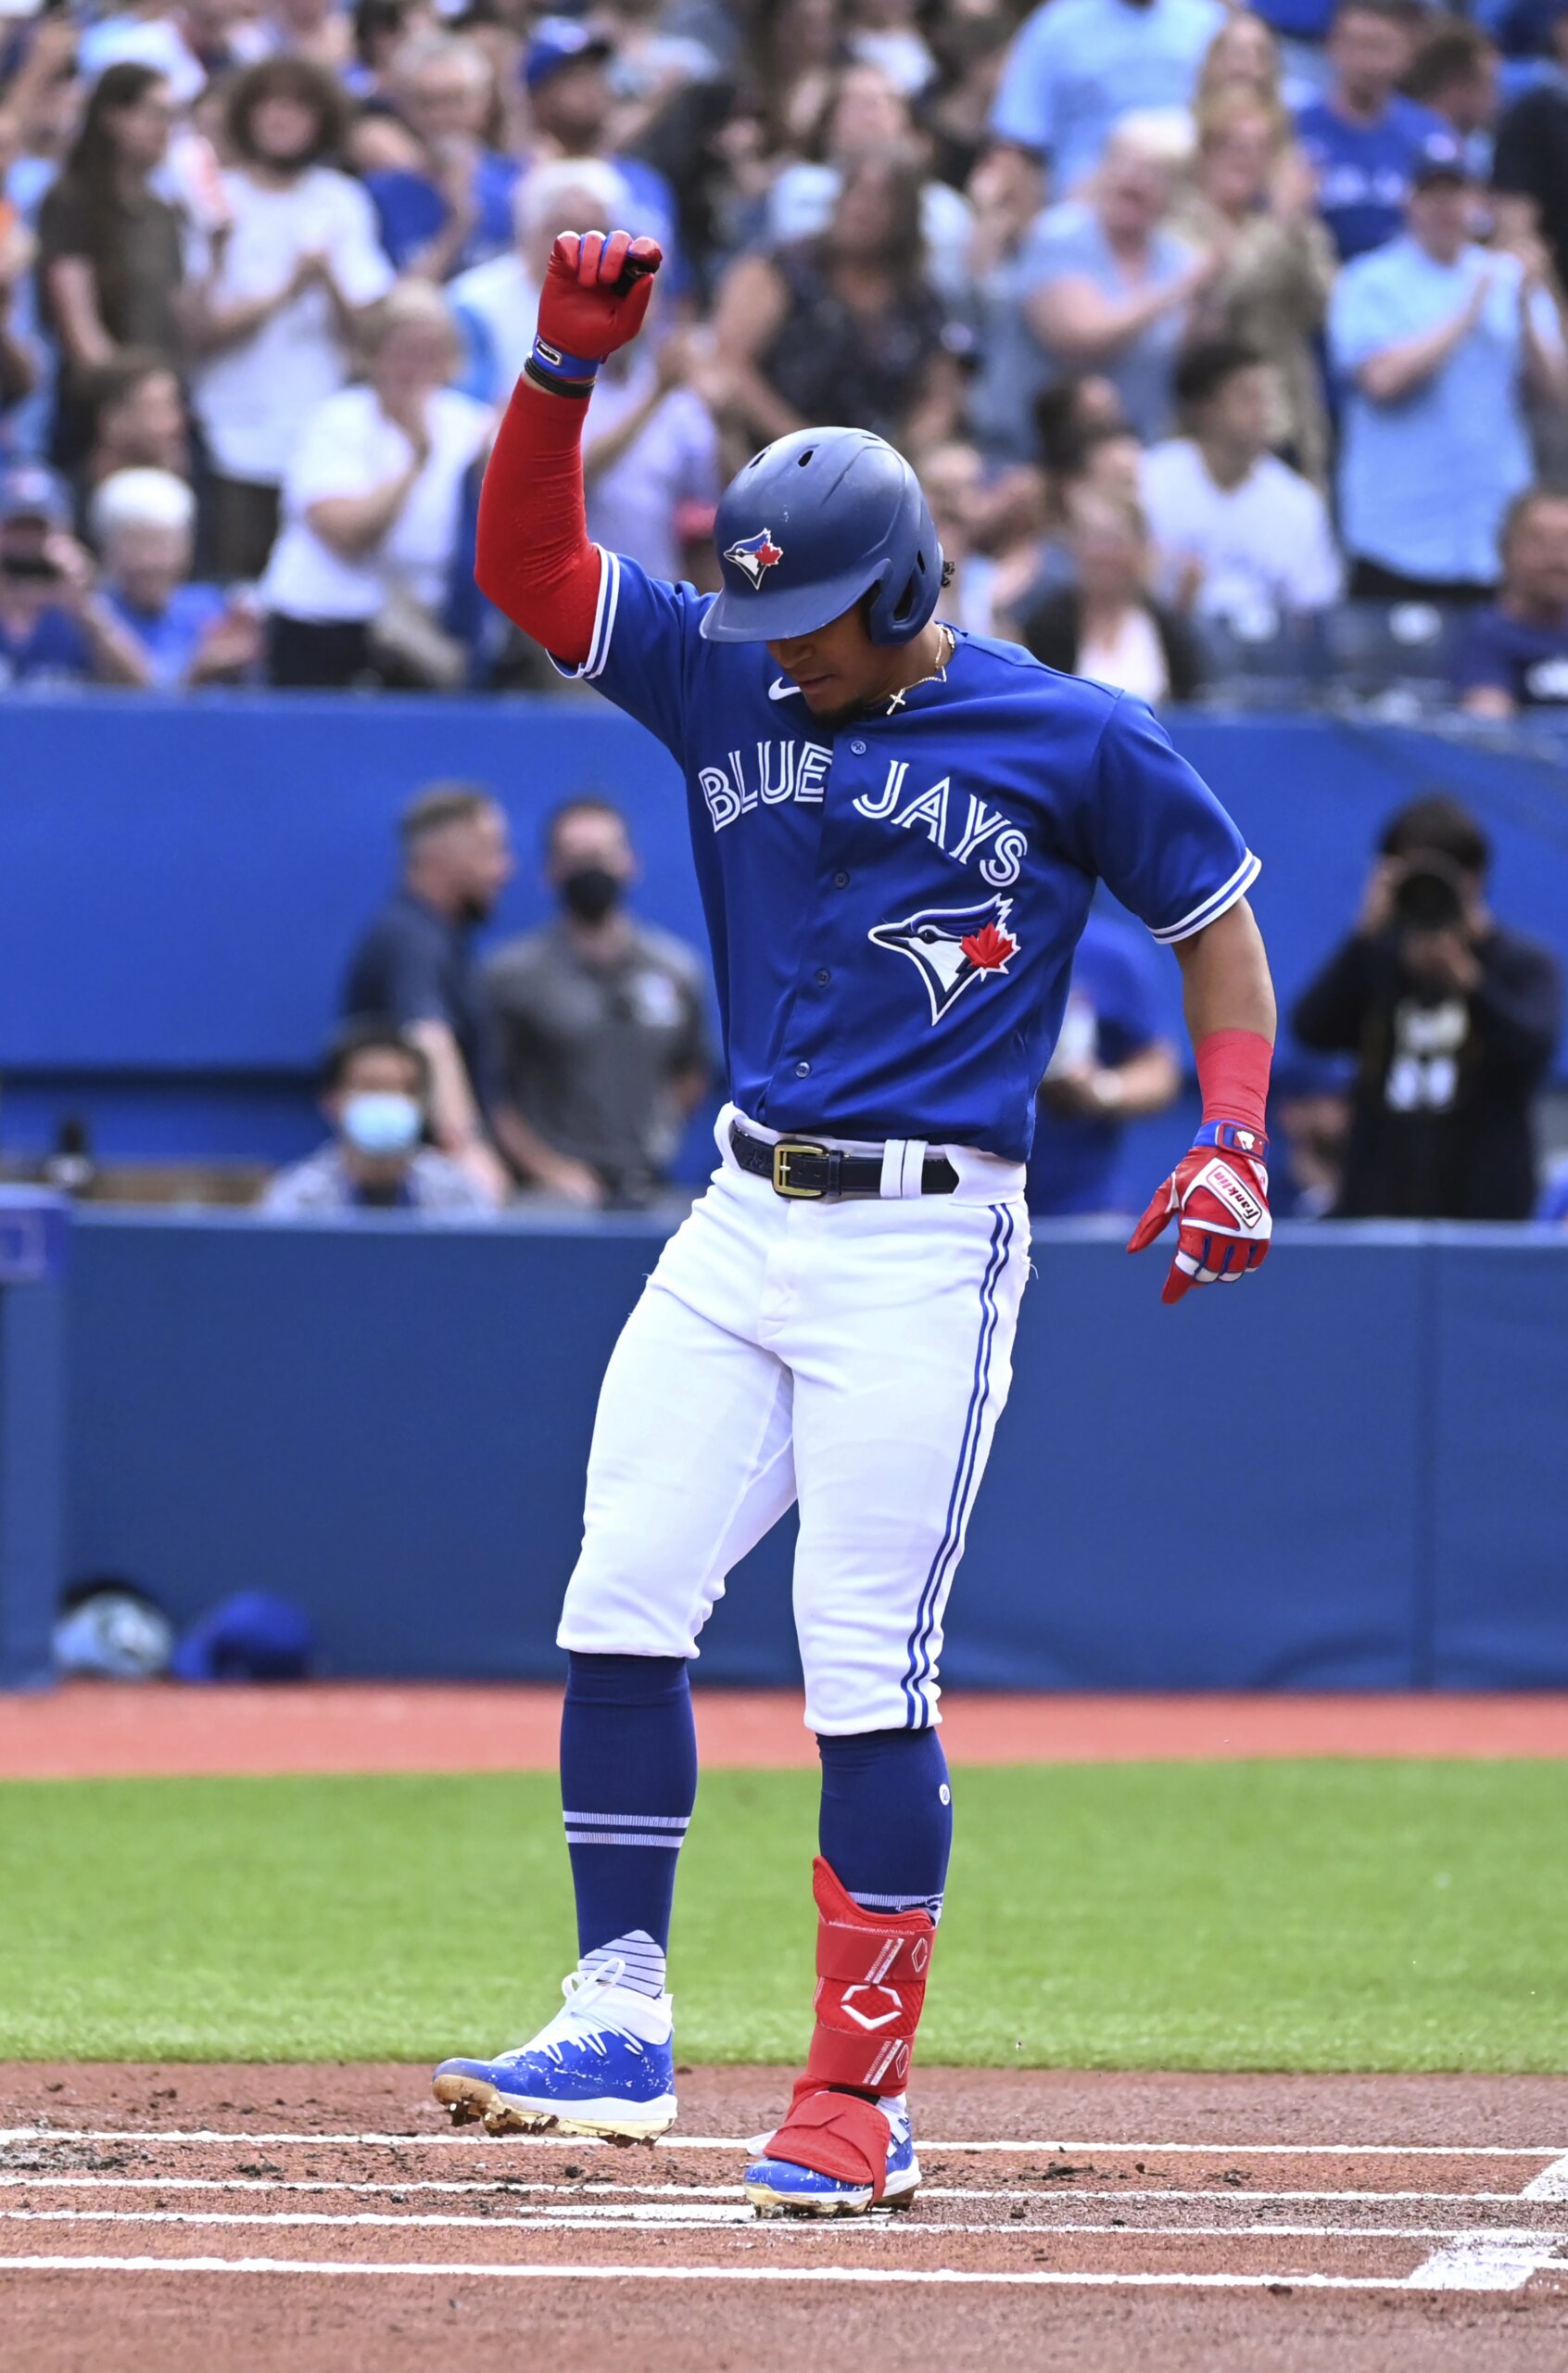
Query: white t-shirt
[254,398]
[349,447]
[1133,659]
[497,304]
[673,459]
[1266,547]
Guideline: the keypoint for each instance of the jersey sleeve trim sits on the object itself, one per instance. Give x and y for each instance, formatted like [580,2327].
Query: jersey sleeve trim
[603,621]
[1215,905]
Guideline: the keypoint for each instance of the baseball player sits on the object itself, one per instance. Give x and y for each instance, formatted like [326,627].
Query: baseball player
[898,829]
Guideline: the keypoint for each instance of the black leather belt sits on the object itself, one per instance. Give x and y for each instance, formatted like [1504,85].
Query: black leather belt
[809,1173]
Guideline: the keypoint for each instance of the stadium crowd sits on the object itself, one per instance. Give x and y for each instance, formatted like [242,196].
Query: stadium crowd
[1229,345]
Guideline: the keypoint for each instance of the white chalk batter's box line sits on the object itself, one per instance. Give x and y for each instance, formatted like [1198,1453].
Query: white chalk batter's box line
[448,2140]
[1542,2244]
[1445,2271]
[512,2188]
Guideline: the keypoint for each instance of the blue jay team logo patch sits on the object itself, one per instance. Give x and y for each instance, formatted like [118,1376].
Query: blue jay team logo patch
[756,554]
[950,946]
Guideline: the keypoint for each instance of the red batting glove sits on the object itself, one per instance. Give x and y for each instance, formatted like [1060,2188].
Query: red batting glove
[1219,1193]
[595,294]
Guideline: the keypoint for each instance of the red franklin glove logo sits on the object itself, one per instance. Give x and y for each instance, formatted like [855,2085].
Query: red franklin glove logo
[1221,1201]
[596,292]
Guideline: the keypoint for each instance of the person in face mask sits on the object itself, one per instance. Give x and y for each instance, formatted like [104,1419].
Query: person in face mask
[603,1020]
[375,1092]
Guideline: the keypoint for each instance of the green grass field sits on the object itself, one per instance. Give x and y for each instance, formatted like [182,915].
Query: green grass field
[1324,1915]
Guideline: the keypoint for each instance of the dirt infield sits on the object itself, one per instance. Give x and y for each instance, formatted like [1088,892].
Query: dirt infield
[316,2219]
[98,1732]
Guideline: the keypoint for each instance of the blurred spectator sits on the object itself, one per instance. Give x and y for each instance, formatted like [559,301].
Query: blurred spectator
[448,203]
[1110,285]
[651,454]
[295,261]
[373,504]
[138,420]
[494,303]
[605,1052]
[1454,72]
[1008,370]
[795,50]
[952,476]
[844,327]
[376,1093]
[1436,340]
[1114,1063]
[416,965]
[1239,536]
[572,106]
[1243,55]
[54,626]
[381,28]
[111,248]
[320,30]
[1079,66]
[1363,139]
[1107,625]
[866,116]
[1514,654]
[1530,168]
[19,360]
[1453,1020]
[144,524]
[1252,205]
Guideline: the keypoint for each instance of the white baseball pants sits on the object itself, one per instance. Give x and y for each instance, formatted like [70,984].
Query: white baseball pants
[855,1356]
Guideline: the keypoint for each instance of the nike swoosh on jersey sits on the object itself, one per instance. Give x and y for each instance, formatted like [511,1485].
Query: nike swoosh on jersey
[781,688]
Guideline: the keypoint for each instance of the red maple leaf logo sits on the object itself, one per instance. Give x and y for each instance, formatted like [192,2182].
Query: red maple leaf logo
[989,950]
[768,554]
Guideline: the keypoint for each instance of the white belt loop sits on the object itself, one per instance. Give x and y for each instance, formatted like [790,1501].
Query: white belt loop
[903,1168]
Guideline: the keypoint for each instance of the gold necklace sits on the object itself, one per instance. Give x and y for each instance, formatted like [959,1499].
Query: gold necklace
[948,645]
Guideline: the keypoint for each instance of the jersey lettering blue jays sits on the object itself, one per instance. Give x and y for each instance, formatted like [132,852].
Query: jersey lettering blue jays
[893,906]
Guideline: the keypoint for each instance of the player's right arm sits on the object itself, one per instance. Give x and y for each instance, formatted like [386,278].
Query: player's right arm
[533,558]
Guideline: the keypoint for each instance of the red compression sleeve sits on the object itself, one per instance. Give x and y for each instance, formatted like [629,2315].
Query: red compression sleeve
[534,559]
[1233,1068]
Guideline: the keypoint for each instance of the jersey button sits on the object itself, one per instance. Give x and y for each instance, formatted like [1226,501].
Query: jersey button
[802,1071]
[823,976]
[840,882]
[858,748]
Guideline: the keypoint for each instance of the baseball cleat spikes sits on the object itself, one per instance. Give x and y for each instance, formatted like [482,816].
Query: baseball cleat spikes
[603,2068]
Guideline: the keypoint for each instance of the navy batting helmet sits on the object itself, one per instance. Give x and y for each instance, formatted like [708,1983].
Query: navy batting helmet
[811,524]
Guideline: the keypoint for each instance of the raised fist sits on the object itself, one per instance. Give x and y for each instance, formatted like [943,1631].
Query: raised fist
[595,295]
[1219,1195]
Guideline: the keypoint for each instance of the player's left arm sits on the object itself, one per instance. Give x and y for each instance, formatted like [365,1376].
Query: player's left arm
[1219,1192]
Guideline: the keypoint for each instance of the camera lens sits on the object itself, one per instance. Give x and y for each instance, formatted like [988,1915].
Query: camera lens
[1427,896]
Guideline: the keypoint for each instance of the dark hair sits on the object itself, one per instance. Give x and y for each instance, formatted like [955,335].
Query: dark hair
[368,1033]
[287,78]
[94,156]
[586,803]
[905,250]
[117,382]
[1204,369]
[1450,52]
[440,804]
[373,20]
[1392,12]
[1519,510]
[1438,825]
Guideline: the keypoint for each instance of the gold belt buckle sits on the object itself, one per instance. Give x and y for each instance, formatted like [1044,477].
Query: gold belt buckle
[783,1154]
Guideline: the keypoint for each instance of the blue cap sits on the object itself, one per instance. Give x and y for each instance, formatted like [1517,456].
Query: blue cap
[252,1636]
[30,491]
[560,41]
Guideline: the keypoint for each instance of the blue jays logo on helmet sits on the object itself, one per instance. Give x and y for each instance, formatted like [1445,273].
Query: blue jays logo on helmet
[950,946]
[753,554]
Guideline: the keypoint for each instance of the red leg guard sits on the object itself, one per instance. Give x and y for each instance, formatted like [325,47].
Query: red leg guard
[871,1971]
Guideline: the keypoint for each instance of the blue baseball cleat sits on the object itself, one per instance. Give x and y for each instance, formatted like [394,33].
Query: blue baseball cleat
[604,2065]
[782,2187]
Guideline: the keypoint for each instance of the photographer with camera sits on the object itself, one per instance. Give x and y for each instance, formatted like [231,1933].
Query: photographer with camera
[1454,1021]
[55,626]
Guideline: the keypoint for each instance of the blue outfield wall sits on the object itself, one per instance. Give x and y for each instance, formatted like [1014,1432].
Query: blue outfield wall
[180,883]
[1349,1475]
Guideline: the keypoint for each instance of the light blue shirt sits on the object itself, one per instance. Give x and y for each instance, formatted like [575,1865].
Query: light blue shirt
[1067,243]
[1424,483]
[1079,66]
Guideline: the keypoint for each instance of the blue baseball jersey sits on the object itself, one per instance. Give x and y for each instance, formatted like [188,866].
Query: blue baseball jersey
[893,904]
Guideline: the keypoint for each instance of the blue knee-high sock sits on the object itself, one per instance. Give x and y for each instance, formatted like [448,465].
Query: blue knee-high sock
[628,1780]
[887,1818]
